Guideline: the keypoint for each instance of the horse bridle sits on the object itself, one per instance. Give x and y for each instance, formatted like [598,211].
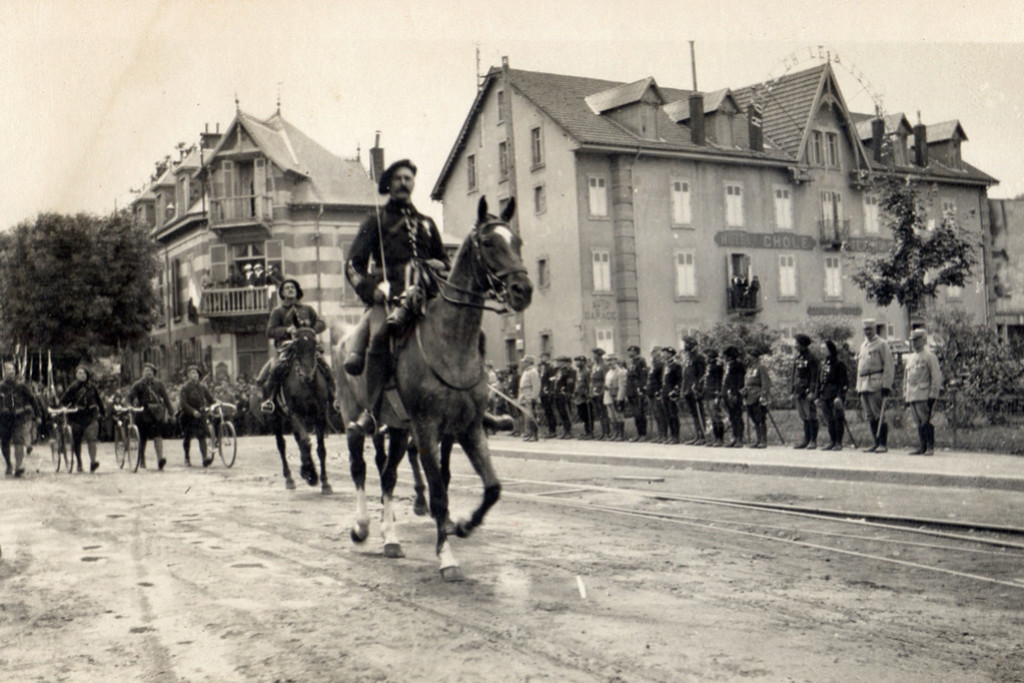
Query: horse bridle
[493,279]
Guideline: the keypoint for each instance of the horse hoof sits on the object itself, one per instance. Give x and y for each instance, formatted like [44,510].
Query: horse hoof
[358,534]
[419,508]
[326,489]
[452,574]
[309,474]
[290,484]
[462,530]
[393,550]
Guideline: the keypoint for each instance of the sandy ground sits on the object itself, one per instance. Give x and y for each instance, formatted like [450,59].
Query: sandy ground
[223,575]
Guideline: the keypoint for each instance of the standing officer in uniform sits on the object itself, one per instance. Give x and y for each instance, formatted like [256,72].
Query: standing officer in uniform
[875,373]
[547,392]
[804,387]
[636,384]
[923,384]
[403,245]
[732,392]
[529,396]
[671,380]
[565,386]
[194,398]
[150,394]
[835,382]
[714,407]
[757,385]
[597,375]
[654,383]
[690,387]
[581,396]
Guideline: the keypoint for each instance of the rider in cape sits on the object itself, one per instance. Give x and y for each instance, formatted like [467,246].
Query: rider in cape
[284,321]
[405,247]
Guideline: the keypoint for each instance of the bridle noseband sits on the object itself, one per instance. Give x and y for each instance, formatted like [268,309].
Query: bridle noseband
[492,287]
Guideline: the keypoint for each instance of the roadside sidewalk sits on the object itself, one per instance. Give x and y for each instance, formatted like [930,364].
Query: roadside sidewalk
[945,468]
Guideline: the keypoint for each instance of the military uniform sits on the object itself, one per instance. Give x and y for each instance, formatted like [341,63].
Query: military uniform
[547,395]
[834,383]
[150,394]
[565,387]
[757,384]
[732,393]
[193,399]
[922,386]
[85,425]
[655,380]
[597,409]
[714,407]
[804,387]
[875,372]
[581,397]
[636,384]
[690,390]
[16,406]
[671,380]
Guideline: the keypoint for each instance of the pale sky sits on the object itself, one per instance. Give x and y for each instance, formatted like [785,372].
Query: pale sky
[94,92]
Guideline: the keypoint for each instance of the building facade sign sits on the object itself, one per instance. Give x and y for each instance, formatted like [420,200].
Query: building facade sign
[765,240]
[855,311]
[868,245]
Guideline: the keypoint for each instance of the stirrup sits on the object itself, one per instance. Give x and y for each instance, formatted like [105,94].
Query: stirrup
[267,406]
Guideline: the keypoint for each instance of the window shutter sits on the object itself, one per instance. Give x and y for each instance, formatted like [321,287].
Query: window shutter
[218,264]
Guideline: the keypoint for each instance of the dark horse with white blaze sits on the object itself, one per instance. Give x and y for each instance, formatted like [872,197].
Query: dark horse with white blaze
[302,404]
[440,378]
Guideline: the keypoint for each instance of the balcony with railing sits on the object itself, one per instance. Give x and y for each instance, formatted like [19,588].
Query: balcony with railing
[743,298]
[833,232]
[241,210]
[224,302]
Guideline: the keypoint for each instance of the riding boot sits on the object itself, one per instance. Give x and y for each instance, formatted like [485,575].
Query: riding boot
[158,446]
[187,447]
[762,435]
[807,436]
[355,359]
[207,459]
[839,429]
[269,389]
[93,462]
[874,436]
[19,457]
[883,440]
[929,448]
[922,435]
[813,431]
[376,376]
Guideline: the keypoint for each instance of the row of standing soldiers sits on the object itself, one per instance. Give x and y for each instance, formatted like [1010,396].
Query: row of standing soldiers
[714,389]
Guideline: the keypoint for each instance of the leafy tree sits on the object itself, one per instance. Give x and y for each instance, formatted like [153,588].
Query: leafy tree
[920,260]
[76,284]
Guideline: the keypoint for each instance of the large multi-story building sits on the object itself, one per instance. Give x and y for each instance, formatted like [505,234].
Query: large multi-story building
[647,212]
[236,213]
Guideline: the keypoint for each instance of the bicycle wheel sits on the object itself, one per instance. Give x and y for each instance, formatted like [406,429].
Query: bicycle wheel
[69,456]
[131,445]
[227,446]
[120,451]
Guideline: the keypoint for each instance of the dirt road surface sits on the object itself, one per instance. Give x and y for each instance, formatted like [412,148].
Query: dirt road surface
[223,575]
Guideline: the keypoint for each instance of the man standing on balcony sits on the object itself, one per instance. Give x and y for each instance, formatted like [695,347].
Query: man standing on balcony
[284,321]
[400,241]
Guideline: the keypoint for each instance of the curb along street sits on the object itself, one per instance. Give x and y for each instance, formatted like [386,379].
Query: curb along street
[944,469]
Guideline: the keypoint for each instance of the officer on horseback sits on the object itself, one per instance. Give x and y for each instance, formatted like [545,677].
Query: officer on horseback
[404,246]
[284,321]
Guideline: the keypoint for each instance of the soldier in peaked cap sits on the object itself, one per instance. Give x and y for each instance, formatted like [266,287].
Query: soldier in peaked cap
[636,383]
[597,378]
[405,248]
[922,386]
[671,380]
[757,386]
[803,385]
[565,386]
[875,373]
[714,405]
[581,397]
[690,388]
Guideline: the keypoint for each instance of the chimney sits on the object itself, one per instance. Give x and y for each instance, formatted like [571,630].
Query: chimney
[920,143]
[754,122]
[697,118]
[877,136]
[376,159]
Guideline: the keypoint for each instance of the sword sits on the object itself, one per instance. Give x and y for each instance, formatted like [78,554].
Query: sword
[769,414]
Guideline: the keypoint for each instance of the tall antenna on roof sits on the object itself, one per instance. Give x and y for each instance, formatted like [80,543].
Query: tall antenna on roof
[693,66]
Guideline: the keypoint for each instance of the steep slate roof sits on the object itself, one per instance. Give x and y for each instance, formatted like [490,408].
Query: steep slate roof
[938,132]
[324,177]
[893,122]
[785,105]
[620,95]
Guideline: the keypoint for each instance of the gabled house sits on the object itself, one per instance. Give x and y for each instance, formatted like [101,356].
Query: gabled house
[647,211]
[235,215]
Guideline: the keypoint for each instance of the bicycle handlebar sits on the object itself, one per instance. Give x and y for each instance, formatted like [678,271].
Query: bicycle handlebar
[128,409]
[63,410]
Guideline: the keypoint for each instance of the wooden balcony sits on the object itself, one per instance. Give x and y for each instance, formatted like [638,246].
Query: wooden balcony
[226,302]
[242,210]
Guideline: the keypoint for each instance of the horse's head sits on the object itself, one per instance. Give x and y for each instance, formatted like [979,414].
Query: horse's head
[303,349]
[499,263]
